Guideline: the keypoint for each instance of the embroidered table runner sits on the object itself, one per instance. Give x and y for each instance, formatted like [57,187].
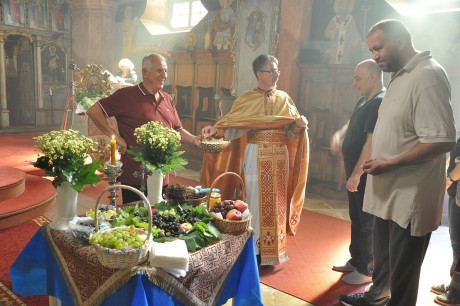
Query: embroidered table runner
[90,283]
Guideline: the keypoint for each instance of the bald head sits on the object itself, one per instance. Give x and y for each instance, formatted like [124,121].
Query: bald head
[370,66]
[368,78]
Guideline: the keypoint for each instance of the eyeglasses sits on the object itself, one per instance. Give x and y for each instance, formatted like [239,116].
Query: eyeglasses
[273,71]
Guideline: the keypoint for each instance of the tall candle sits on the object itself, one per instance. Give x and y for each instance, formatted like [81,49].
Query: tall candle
[113,151]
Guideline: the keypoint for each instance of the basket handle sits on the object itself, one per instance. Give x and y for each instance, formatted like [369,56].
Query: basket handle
[145,201]
[243,189]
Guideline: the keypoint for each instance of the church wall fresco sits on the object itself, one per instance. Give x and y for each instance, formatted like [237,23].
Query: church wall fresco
[37,77]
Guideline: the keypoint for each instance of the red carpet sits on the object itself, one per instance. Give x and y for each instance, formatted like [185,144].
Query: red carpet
[18,150]
[13,240]
[320,242]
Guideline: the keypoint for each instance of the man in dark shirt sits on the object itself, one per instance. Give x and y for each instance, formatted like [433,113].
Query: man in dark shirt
[356,147]
[134,106]
[450,294]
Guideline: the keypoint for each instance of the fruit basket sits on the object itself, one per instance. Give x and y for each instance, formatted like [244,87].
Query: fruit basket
[214,146]
[231,227]
[192,201]
[82,228]
[124,258]
[180,194]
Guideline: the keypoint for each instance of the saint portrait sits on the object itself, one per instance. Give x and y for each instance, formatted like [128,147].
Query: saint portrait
[60,15]
[54,64]
[255,31]
[37,14]
[14,12]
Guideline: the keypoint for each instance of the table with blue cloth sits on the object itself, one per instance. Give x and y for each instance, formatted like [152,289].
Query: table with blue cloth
[55,263]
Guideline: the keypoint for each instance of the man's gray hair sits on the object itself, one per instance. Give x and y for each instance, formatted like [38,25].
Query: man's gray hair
[147,60]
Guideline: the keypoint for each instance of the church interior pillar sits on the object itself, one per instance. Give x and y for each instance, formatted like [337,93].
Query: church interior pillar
[5,119]
[38,75]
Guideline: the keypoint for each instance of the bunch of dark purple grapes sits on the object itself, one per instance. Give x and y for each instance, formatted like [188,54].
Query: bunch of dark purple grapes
[169,221]
[167,224]
[223,207]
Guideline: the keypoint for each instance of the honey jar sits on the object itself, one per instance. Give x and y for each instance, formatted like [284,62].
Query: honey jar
[215,198]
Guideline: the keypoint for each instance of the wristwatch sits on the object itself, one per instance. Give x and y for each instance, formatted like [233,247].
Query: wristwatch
[450,179]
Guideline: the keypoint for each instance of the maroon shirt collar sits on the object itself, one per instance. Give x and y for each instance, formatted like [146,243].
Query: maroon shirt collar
[145,92]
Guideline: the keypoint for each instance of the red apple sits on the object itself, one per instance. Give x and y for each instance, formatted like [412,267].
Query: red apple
[240,205]
[233,215]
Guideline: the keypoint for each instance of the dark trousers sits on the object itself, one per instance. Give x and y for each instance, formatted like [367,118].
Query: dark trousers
[454,286]
[398,259]
[454,233]
[130,196]
[361,231]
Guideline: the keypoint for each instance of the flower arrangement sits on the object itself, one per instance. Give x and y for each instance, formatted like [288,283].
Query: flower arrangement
[157,148]
[64,154]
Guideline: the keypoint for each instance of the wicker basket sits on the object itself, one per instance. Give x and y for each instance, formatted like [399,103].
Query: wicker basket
[231,227]
[190,201]
[214,147]
[123,259]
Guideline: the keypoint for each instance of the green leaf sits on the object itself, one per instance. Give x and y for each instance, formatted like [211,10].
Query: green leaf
[194,241]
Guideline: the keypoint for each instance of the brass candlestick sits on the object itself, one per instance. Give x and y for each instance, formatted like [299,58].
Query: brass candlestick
[112,172]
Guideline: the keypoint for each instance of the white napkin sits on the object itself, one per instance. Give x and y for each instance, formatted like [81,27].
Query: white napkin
[176,272]
[172,256]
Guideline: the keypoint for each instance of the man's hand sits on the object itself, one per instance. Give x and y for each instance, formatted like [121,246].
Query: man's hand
[301,122]
[448,184]
[376,166]
[123,147]
[197,140]
[208,131]
[353,182]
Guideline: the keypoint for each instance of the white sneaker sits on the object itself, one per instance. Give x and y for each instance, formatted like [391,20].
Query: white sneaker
[347,267]
[356,278]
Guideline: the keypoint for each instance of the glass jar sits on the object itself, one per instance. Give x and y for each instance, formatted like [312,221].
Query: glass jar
[215,198]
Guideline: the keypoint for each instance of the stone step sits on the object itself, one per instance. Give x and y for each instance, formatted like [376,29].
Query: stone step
[12,182]
[38,197]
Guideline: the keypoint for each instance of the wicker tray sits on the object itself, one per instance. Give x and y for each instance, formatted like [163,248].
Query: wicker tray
[231,227]
[190,201]
[214,147]
[123,259]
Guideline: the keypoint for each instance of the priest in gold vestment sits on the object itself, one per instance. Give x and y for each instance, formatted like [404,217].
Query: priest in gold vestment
[270,151]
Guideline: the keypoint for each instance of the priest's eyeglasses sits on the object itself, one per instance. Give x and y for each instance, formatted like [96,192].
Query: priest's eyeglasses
[273,71]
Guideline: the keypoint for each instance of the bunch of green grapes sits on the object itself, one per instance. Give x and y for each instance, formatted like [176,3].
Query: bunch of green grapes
[168,212]
[104,214]
[120,238]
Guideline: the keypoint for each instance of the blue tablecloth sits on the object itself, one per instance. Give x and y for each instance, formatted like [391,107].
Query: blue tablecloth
[36,272]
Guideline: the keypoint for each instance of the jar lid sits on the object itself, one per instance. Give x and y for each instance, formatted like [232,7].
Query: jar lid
[215,195]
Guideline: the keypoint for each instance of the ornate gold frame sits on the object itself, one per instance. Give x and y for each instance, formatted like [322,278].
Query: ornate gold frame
[92,82]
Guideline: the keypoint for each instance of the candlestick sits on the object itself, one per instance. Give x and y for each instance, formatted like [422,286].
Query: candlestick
[113,151]
[112,172]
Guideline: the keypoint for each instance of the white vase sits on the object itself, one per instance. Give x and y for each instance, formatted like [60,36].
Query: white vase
[155,188]
[66,202]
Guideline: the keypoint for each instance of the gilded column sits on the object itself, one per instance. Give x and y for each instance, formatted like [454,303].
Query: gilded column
[5,119]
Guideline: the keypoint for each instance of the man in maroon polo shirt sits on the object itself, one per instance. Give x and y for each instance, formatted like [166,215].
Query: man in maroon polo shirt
[134,106]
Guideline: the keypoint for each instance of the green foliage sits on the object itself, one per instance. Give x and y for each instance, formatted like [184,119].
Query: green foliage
[201,235]
[204,233]
[64,154]
[157,148]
